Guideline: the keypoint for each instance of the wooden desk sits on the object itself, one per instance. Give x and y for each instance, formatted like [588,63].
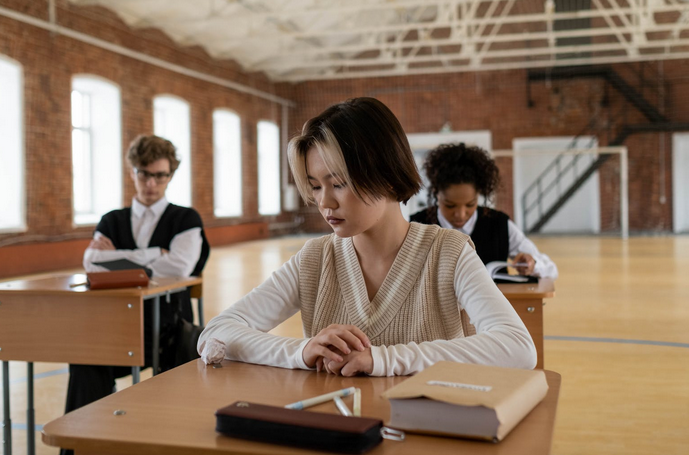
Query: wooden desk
[527,300]
[173,413]
[48,320]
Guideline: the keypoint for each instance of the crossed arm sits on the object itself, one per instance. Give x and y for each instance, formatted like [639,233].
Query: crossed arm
[240,332]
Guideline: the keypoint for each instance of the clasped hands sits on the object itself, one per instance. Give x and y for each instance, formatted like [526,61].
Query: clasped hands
[341,350]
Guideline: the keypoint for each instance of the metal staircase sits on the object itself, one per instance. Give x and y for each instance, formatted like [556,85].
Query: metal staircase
[571,169]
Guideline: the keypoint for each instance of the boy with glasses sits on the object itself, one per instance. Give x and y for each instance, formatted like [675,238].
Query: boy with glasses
[166,238]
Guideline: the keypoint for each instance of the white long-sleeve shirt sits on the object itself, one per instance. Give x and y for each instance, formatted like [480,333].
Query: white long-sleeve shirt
[184,253]
[518,243]
[501,339]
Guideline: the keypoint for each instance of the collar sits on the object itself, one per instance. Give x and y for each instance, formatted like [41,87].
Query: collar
[468,227]
[157,208]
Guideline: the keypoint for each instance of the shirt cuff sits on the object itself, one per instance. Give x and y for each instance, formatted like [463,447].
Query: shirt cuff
[378,354]
[300,356]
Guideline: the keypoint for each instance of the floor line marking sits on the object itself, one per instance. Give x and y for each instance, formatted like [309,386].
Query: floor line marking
[46,374]
[617,340]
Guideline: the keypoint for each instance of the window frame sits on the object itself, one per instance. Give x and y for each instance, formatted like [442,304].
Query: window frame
[216,213]
[278,165]
[93,218]
[23,224]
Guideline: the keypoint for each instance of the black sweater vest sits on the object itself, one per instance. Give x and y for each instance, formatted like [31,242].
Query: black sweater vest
[117,226]
[490,235]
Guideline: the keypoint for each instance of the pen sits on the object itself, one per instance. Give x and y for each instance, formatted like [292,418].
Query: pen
[357,403]
[320,399]
[342,407]
[519,264]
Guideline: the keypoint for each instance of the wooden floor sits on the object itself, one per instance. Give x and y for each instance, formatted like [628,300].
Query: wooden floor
[617,331]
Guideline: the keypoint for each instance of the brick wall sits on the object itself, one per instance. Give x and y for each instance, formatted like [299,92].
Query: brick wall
[49,62]
[497,101]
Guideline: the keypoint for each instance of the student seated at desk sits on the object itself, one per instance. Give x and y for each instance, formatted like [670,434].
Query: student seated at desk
[458,175]
[379,296]
[164,237]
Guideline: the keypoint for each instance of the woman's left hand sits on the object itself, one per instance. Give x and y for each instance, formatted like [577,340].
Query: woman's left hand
[352,364]
[527,259]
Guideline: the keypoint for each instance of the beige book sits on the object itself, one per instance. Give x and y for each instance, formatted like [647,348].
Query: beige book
[466,400]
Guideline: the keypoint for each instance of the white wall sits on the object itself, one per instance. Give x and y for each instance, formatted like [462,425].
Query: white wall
[581,214]
[680,182]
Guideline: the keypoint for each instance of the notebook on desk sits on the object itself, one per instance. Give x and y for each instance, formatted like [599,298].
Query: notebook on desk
[123,264]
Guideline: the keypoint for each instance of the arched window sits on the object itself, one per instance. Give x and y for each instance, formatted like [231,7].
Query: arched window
[268,168]
[171,121]
[96,148]
[12,201]
[227,164]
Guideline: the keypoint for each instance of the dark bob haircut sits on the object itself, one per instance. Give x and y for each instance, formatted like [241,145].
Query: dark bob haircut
[361,141]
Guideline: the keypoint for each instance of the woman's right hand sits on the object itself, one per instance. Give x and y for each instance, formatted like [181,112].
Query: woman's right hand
[332,340]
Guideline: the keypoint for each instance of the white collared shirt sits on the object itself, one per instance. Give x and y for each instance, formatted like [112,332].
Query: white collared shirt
[185,247]
[518,243]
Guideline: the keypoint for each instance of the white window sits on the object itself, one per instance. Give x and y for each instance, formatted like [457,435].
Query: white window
[12,194]
[227,164]
[96,148]
[171,121]
[268,168]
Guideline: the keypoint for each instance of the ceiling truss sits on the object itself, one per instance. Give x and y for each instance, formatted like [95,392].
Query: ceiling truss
[297,40]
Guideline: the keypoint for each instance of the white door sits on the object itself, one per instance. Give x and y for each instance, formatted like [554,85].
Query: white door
[680,183]
[581,213]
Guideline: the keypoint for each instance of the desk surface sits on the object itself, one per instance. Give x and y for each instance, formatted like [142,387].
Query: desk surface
[545,288]
[173,413]
[61,284]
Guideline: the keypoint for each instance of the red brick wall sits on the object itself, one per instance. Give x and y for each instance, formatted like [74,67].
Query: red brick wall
[49,61]
[495,101]
[498,101]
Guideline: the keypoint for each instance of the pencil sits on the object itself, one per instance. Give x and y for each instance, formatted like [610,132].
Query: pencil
[342,407]
[357,403]
[320,399]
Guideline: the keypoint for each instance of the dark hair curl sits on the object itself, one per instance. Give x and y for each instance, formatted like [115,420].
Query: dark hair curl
[453,164]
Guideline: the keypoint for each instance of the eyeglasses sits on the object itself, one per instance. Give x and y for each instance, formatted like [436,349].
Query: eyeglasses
[160,177]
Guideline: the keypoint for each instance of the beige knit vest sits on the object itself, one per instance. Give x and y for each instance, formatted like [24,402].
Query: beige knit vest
[415,303]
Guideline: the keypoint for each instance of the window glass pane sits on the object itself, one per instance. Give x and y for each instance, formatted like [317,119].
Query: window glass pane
[12,211]
[227,164]
[96,148]
[171,121]
[268,168]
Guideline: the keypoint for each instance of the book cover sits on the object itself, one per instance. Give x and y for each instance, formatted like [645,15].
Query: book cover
[465,400]
[498,272]
[123,264]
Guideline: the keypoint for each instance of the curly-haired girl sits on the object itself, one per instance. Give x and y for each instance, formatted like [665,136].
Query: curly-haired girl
[458,175]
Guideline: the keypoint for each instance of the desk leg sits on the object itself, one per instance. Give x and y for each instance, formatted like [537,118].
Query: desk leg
[136,375]
[156,334]
[6,422]
[200,308]
[30,412]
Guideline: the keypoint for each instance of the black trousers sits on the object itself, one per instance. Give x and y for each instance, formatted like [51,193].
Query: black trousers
[88,383]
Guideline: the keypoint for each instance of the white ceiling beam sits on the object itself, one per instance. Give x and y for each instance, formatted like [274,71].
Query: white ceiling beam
[512,19]
[487,67]
[541,36]
[510,53]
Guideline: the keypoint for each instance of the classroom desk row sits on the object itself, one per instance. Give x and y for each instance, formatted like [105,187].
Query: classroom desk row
[52,320]
[174,413]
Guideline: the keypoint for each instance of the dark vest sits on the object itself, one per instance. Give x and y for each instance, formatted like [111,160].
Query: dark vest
[117,226]
[490,235]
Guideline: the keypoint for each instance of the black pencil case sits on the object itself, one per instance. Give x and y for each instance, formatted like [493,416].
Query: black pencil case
[311,430]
